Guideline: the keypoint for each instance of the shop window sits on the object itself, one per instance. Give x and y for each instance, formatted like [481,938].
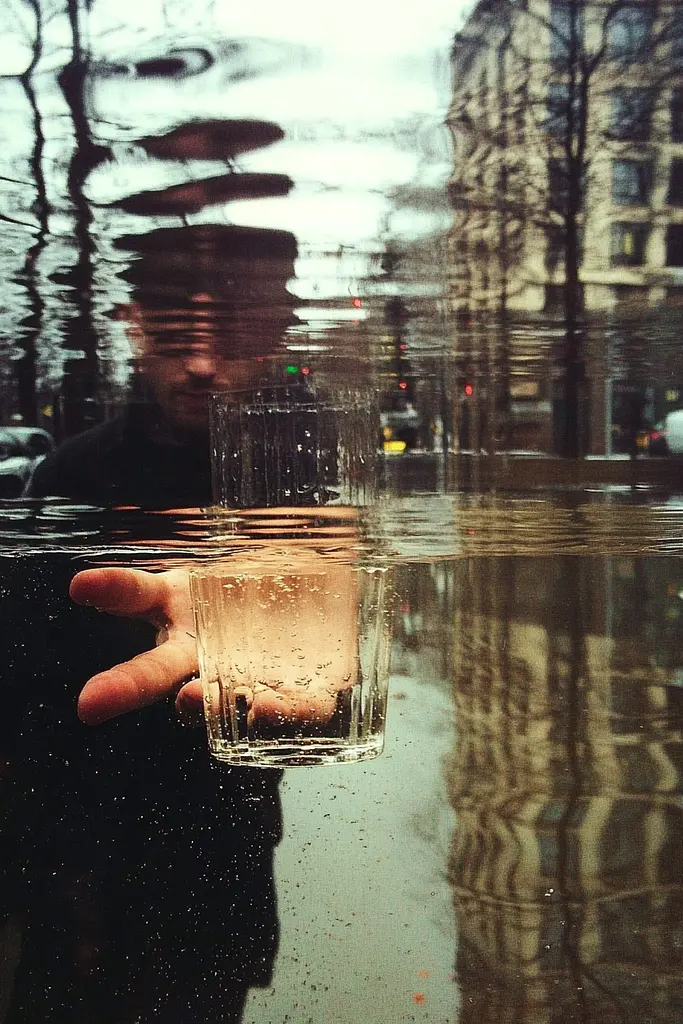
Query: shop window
[631,182]
[632,114]
[628,244]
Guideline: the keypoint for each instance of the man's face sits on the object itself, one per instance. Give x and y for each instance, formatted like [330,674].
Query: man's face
[186,354]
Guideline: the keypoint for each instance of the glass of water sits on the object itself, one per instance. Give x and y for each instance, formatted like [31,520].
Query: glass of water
[293,607]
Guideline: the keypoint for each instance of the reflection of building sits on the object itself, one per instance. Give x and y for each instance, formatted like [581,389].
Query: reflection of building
[565,863]
[561,106]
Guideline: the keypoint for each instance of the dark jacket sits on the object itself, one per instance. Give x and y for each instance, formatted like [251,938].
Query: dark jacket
[134,459]
[143,871]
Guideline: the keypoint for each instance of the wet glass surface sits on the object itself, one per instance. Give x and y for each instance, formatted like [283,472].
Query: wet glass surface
[238,196]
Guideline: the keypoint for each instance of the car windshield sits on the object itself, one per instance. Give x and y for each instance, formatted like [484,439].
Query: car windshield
[9,446]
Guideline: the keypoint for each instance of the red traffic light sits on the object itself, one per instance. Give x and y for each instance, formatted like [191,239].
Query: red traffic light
[468,390]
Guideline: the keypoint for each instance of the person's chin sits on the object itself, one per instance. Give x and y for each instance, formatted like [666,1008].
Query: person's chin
[192,413]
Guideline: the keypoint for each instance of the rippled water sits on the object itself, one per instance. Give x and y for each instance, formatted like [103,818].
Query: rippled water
[423,528]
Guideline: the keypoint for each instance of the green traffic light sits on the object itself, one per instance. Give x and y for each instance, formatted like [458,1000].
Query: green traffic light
[292,369]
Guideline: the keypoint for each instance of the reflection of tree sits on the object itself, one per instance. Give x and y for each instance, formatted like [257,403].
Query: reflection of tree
[564,784]
[81,377]
[68,313]
[43,39]
[25,366]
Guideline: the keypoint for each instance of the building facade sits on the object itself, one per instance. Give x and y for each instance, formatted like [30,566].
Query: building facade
[567,125]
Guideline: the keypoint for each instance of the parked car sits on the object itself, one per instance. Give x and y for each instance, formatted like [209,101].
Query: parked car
[666,437]
[21,449]
[400,429]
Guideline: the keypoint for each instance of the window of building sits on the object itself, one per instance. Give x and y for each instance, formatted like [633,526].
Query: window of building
[628,244]
[559,181]
[677,115]
[631,182]
[555,247]
[558,99]
[558,185]
[519,123]
[675,193]
[674,245]
[632,114]
[560,102]
[554,298]
[566,33]
[628,33]
[622,842]
[676,34]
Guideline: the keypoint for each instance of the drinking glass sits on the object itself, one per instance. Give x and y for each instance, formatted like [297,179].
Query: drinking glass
[293,607]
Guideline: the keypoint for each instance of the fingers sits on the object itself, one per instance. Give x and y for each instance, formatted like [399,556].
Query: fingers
[148,678]
[189,703]
[130,592]
[163,599]
[160,598]
[294,707]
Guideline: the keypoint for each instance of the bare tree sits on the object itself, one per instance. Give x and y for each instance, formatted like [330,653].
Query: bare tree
[543,91]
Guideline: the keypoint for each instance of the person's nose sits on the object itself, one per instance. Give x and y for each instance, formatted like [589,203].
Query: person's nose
[202,365]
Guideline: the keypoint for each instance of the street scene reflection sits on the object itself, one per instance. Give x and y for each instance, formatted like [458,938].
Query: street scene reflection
[566,784]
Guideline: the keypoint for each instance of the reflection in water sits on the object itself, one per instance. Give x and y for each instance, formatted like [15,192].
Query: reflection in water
[121,127]
[164,120]
[565,671]
[566,782]
[113,928]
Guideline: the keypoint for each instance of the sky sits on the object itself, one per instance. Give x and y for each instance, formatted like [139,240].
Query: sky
[361,25]
[358,26]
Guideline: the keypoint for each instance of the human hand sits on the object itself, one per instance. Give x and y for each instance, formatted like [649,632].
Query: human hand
[163,599]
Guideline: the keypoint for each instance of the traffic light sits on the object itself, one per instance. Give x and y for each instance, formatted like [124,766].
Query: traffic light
[468,389]
[293,370]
